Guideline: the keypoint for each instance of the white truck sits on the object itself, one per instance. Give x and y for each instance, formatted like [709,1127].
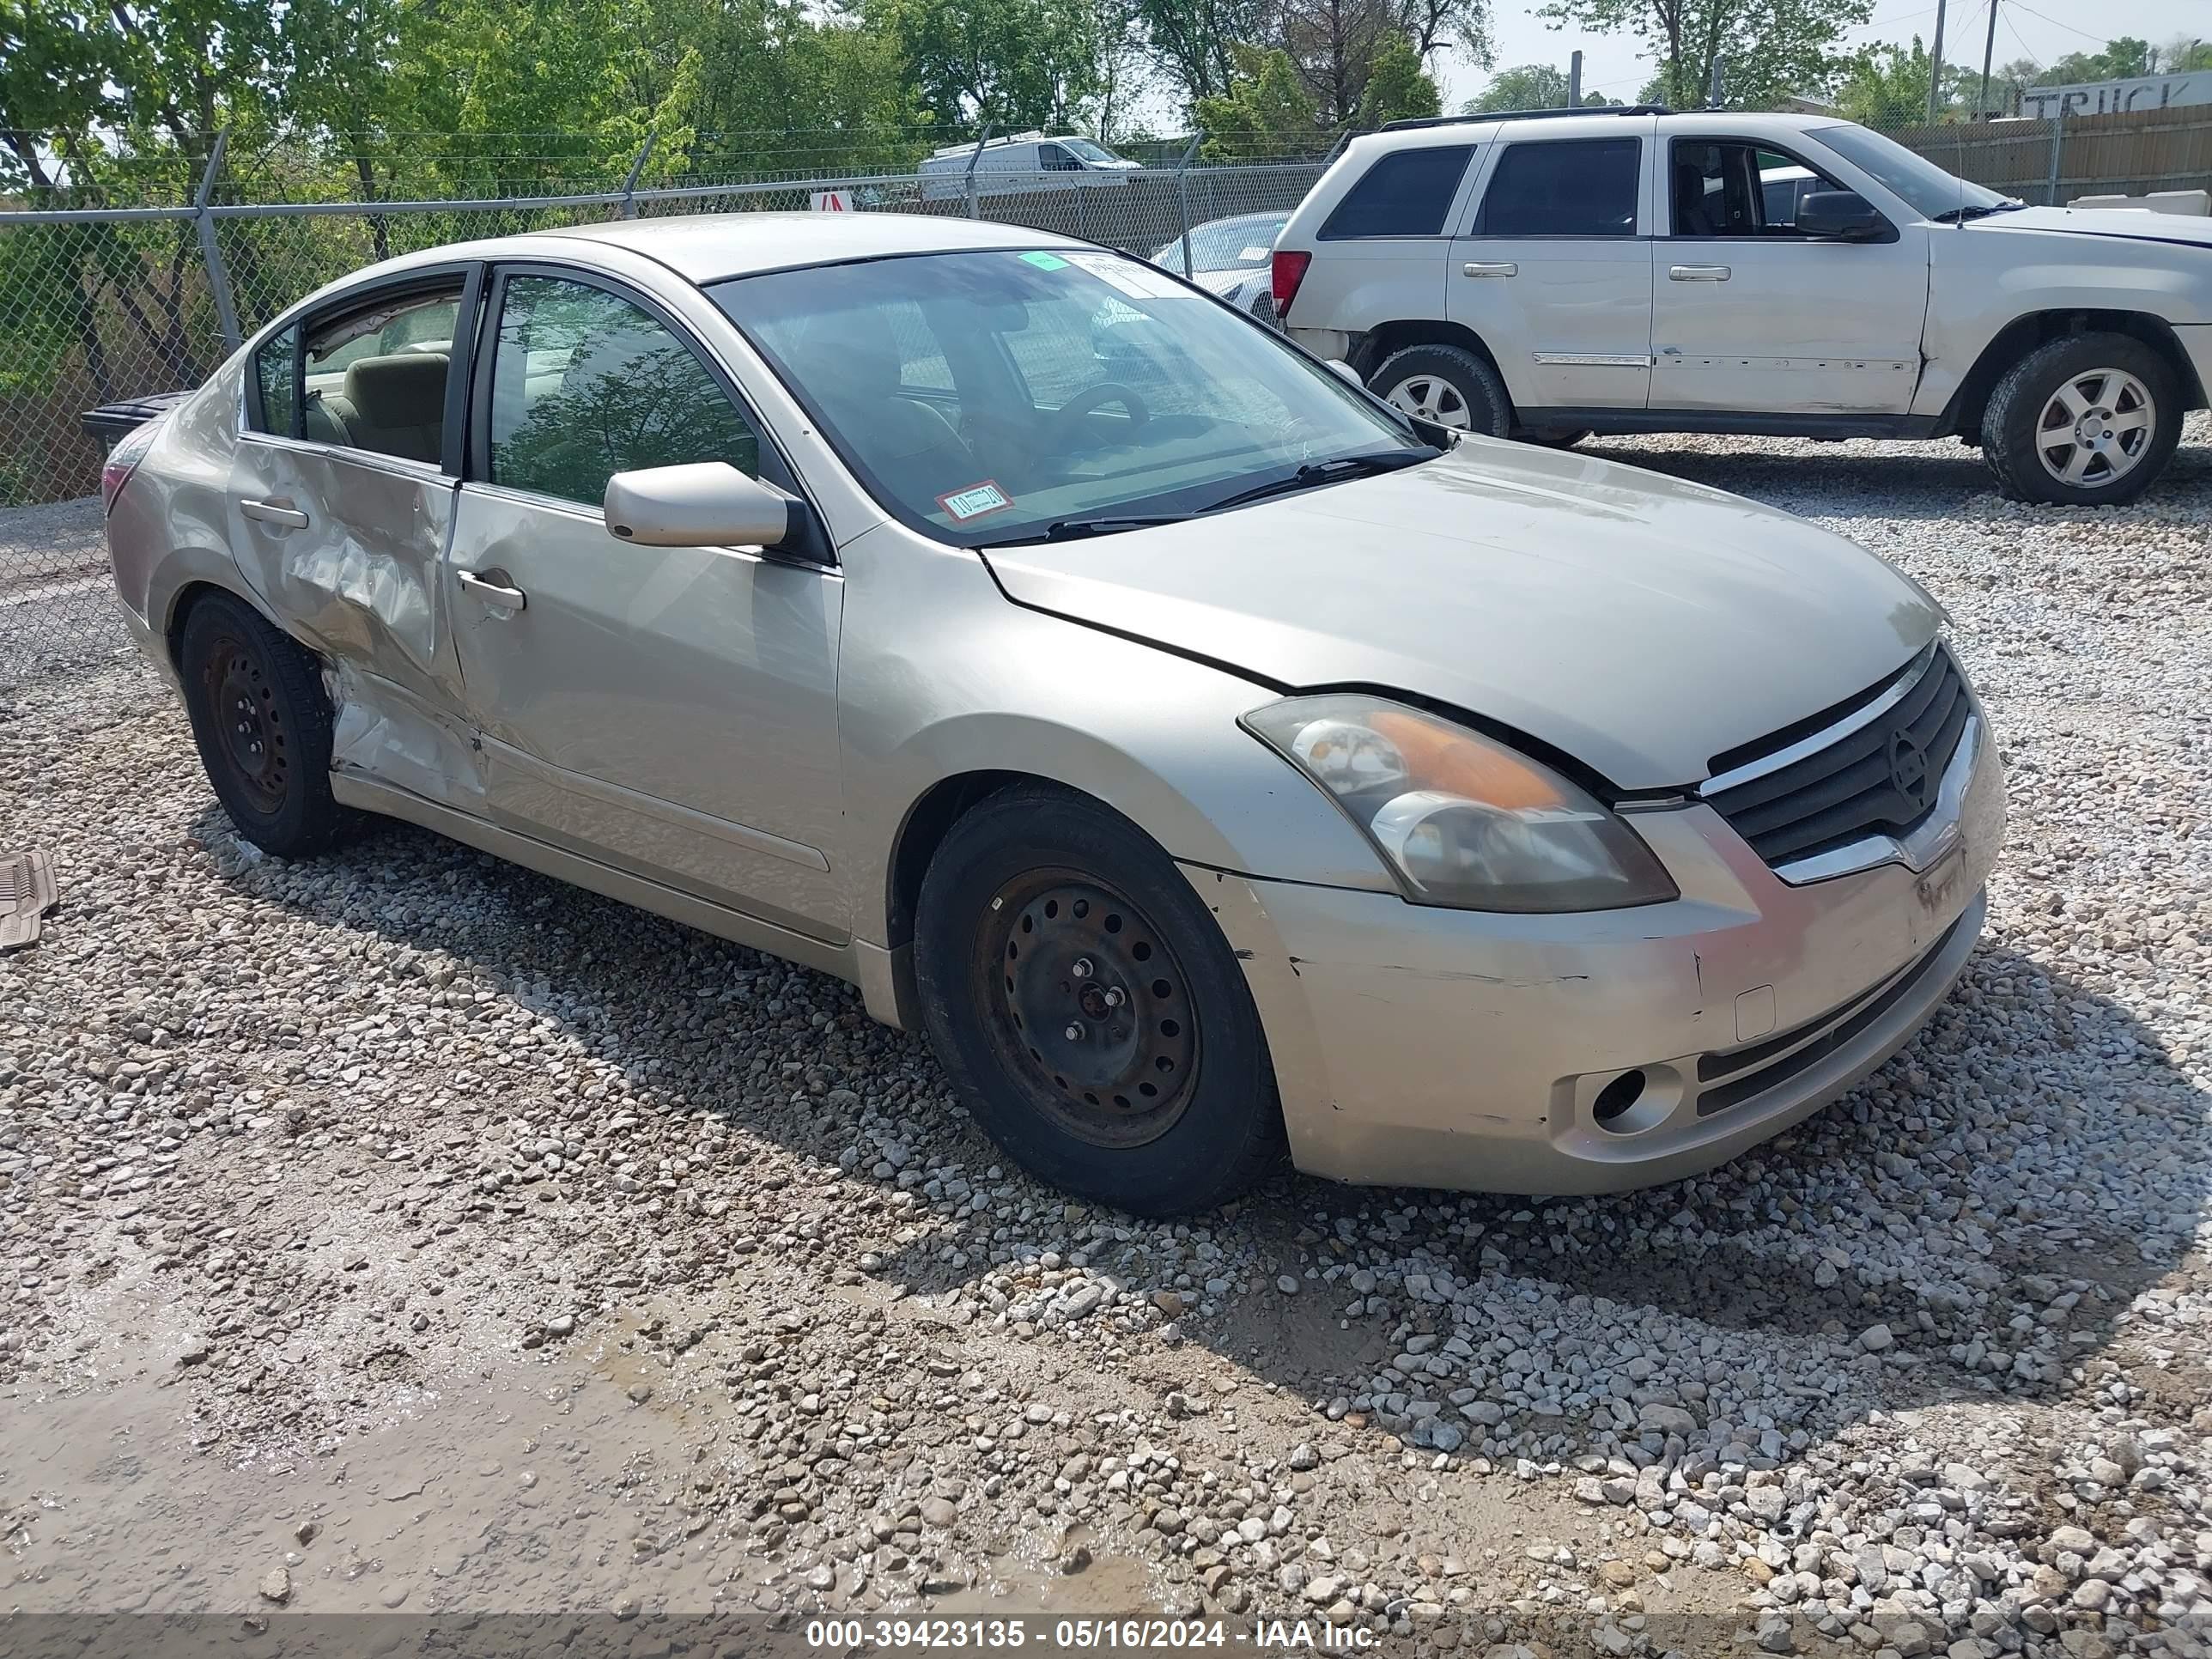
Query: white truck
[1021,161]
[1548,275]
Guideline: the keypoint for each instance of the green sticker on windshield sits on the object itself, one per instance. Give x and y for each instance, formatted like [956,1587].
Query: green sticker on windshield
[1045,261]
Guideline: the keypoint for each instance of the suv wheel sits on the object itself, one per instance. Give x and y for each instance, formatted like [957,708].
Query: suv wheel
[1447,385]
[1088,1010]
[262,725]
[2087,421]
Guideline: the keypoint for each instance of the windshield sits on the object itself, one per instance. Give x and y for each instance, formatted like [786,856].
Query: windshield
[1086,150]
[983,397]
[1925,186]
[1225,244]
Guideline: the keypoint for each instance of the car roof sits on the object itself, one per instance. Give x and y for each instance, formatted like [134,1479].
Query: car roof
[707,246]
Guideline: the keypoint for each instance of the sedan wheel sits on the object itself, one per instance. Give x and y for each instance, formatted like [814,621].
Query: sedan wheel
[1088,1009]
[262,724]
[1087,999]
[2096,429]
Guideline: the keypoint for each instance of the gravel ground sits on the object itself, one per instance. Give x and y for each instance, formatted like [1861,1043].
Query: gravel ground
[405,1229]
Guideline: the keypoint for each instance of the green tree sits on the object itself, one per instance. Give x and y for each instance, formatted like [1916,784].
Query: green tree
[1398,88]
[1886,86]
[1015,63]
[1266,111]
[1529,85]
[1194,42]
[1768,49]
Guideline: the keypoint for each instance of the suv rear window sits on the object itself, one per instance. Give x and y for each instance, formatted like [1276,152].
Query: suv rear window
[1568,188]
[1405,193]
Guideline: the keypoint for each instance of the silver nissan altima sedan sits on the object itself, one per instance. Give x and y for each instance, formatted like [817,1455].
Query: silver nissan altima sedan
[1207,757]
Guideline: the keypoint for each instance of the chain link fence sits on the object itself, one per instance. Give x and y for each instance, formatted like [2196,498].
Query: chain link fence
[102,300]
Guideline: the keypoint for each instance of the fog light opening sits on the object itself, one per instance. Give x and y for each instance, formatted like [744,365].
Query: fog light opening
[1614,1101]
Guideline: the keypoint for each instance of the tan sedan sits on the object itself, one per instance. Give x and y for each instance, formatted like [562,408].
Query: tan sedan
[1205,754]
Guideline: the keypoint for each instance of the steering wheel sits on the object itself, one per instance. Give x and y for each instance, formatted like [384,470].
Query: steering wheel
[1093,398]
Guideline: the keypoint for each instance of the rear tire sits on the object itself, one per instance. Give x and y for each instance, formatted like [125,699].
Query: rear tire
[2090,419]
[1447,384]
[1088,1010]
[262,724]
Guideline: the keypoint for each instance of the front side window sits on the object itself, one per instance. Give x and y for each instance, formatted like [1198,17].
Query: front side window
[376,374]
[1056,160]
[586,385]
[1724,187]
[1405,193]
[274,367]
[1566,187]
[1086,385]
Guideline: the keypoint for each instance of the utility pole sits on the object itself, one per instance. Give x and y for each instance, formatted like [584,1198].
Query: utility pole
[1713,90]
[1935,64]
[1988,50]
[1575,81]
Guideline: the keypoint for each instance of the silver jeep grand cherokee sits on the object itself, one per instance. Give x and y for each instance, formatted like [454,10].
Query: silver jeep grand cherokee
[1201,752]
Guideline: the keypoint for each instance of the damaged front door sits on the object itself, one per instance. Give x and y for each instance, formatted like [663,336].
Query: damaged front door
[669,710]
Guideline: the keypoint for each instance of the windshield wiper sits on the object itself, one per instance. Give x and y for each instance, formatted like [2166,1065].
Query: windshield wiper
[1321,472]
[1959,215]
[1108,524]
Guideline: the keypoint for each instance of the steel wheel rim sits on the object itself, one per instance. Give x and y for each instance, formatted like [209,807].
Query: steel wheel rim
[2096,427]
[1088,1004]
[250,733]
[1433,398]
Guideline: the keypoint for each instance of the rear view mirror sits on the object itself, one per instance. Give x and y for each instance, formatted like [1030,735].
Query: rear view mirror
[1842,215]
[700,504]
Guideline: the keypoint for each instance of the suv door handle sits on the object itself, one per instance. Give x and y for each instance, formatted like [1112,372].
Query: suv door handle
[494,587]
[1698,274]
[1501,267]
[276,510]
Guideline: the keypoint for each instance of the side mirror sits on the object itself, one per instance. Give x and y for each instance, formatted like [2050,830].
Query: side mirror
[1844,215]
[1348,372]
[700,504]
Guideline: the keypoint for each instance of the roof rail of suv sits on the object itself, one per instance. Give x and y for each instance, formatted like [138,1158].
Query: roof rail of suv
[1413,121]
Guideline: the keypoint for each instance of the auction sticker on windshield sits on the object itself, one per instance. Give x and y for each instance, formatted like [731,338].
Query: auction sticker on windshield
[1138,282]
[975,502]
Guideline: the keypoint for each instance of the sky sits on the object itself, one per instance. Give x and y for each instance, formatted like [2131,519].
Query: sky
[2053,28]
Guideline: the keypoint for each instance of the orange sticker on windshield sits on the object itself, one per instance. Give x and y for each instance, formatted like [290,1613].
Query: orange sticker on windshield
[974,503]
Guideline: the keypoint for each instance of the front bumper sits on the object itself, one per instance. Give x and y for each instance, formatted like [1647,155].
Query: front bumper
[1421,1047]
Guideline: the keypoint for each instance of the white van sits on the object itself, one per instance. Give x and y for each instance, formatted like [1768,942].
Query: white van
[1022,160]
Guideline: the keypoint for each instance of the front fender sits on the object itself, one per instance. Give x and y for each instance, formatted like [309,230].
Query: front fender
[941,676]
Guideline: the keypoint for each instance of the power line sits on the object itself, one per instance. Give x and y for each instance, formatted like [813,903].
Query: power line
[2101,40]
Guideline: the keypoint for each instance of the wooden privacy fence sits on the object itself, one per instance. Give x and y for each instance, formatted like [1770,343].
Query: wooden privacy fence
[2052,162]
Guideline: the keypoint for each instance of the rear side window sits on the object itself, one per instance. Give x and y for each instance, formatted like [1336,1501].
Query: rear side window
[1405,193]
[1570,187]
[274,374]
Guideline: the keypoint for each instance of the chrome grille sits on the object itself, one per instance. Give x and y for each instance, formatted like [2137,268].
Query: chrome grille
[1880,776]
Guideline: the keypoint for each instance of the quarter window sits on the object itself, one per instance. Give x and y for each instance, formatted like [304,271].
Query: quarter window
[376,374]
[1570,187]
[274,367]
[1405,193]
[586,385]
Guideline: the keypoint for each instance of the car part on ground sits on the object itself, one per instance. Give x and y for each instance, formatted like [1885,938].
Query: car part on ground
[27,893]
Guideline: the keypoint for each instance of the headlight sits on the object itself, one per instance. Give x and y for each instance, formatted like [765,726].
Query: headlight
[1461,820]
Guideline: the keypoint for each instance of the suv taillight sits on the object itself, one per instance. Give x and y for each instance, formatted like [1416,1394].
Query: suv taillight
[1288,270]
[123,460]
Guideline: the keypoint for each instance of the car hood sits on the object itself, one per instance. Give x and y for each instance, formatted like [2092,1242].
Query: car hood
[1640,624]
[2131,223]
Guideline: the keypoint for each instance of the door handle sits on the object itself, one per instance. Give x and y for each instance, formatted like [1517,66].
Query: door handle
[276,510]
[494,587]
[1498,268]
[1698,274]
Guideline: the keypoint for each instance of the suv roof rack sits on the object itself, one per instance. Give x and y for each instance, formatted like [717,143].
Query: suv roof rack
[1413,121]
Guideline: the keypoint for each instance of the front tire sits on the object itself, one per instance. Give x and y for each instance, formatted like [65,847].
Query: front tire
[1446,385]
[1088,1010]
[262,724]
[2090,419]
